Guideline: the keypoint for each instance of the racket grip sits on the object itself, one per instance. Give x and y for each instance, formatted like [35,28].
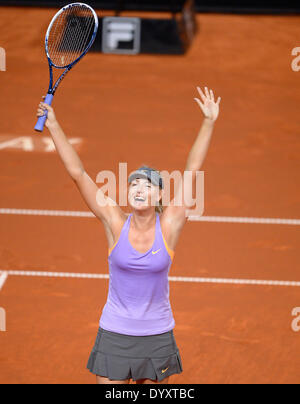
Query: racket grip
[42,119]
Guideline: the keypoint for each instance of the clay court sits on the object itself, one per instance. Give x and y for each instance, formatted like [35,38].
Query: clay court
[140,109]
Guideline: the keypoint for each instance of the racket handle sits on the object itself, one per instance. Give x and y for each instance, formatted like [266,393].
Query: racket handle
[42,119]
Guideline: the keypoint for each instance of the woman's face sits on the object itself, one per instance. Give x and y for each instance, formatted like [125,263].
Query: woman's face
[140,193]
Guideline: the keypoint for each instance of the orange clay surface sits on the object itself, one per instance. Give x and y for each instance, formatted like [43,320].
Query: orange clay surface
[139,110]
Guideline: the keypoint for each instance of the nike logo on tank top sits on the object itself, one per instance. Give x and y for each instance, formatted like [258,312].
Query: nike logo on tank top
[138,297]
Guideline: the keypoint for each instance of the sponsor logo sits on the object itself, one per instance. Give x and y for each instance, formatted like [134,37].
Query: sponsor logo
[121,35]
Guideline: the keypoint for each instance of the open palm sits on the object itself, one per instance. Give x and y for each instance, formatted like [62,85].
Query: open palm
[209,107]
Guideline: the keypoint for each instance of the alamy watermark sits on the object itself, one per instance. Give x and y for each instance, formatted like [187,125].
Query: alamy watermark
[2,319]
[184,186]
[296,321]
[296,61]
[2,60]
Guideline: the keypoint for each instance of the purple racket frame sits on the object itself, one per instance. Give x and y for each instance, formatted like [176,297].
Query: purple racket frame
[51,90]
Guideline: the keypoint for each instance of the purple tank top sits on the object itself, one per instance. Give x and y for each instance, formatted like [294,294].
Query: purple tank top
[138,297]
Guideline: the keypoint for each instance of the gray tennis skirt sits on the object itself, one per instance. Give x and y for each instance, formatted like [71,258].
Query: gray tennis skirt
[120,357]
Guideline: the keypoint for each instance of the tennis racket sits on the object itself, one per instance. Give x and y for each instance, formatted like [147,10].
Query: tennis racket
[69,37]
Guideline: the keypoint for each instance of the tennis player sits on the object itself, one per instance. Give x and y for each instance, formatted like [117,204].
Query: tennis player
[135,339]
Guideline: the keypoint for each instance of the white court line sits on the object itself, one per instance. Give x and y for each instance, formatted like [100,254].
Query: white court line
[36,212]
[3,277]
[171,278]
[258,220]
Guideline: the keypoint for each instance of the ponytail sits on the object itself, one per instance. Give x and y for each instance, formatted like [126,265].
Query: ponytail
[159,209]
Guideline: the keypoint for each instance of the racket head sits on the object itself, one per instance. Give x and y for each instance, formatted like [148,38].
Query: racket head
[70,34]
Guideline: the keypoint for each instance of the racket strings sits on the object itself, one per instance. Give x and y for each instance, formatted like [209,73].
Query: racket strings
[70,35]
[71,38]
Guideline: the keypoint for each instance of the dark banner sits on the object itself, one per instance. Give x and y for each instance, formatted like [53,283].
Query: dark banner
[223,6]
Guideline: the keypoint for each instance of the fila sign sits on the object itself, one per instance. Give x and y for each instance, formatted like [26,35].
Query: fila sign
[121,35]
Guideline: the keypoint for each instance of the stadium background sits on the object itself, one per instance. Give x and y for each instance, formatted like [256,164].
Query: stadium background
[268,6]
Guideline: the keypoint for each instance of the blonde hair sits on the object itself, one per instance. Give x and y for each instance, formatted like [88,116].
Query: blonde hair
[159,208]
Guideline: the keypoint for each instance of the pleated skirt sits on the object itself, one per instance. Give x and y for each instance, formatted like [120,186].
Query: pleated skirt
[121,357]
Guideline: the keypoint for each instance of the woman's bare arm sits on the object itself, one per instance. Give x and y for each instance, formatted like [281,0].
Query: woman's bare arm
[174,217]
[65,150]
[103,207]
[210,110]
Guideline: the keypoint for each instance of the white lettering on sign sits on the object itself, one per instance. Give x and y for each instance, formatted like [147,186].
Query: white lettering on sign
[121,35]
[119,32]
[31,143]
[23,142]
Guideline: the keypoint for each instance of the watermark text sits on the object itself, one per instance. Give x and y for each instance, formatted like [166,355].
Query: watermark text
[296,61]
[2,319]
[2,60]
[296,321]
[184,186]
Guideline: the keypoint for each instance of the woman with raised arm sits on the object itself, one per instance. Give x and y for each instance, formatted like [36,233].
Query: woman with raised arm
[135,339]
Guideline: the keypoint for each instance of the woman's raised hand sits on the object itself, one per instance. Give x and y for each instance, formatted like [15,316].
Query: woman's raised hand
[42,108]
[209,107]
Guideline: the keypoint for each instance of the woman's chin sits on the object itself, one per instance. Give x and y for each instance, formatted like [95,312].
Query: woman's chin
[139,206]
